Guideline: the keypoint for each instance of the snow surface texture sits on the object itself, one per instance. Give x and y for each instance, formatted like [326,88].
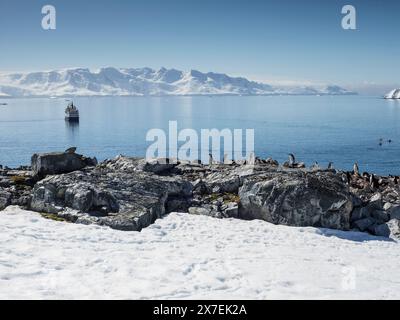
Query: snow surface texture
[394,94]
[143,82]
[191,257]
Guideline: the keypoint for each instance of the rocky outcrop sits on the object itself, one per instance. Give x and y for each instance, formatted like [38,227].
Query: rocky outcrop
[59,162]
[116,193]
[5,199]
[16,187]
[131,193]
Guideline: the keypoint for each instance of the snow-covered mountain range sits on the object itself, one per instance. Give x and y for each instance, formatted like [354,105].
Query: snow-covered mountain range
[144,82]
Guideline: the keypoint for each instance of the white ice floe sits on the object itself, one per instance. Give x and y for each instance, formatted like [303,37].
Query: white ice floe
[394,94]
[183,256]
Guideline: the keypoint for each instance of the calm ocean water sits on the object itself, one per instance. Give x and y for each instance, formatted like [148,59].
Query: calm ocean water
[339,129]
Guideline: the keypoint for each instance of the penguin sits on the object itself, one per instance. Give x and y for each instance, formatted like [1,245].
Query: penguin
[344,178]
[252,158]
[356,170]
[330,166]
[372,182]
[292,159]
[225,158]
[210,159]
[315,166]
[70,150]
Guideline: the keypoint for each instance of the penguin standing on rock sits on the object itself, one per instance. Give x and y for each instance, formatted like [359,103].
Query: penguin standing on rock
[356,170]
[330,166]
[315,166]
[373,183]
[292,159]
[210,159]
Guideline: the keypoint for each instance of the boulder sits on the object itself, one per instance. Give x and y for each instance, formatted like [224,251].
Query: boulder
[298,198]
[364,224]
[5,199]
[380,216]
[157,166]
[231,210]
[59,162]
[390,229]
[199,211]
[206,210]
[376,202]
[394,212]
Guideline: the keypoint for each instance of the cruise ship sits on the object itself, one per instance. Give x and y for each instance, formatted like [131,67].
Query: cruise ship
[71,113]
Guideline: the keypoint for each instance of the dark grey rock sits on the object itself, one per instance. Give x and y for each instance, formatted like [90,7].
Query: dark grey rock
[380,216]
[390,229]
[157,166]
[376,202]
[394,212]
[318,199]
[5,199]
[357,214]
[357,202]
[231,210]
[59,162]
[364,224]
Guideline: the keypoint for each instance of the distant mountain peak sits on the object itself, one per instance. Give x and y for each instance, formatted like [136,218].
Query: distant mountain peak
[111,81]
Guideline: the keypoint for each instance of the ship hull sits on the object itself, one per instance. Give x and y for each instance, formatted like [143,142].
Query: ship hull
[72,119]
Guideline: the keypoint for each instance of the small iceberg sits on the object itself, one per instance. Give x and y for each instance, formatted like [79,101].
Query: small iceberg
[394,94]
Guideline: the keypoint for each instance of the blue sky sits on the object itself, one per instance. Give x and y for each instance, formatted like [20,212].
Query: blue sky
[276,40]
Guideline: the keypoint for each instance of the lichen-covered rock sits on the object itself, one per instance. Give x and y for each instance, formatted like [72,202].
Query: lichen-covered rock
[106,195]
[297,199]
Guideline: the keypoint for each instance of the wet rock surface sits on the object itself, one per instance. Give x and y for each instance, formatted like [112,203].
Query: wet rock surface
[130,193]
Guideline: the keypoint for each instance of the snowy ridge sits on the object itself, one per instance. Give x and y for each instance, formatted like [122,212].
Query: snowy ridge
[191,257]
[143,82]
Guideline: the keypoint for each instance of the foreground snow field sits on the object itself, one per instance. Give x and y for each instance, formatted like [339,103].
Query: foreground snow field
[191,257]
